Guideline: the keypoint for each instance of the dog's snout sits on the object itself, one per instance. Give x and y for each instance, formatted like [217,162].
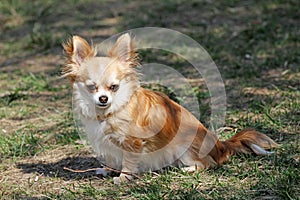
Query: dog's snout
[103,99]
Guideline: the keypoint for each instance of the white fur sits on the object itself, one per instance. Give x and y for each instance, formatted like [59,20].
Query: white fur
[85,108]
[260,151]
[83,104]
[123,95]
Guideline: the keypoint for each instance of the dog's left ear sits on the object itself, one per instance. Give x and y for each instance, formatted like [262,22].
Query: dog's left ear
[77,51]
[123,50]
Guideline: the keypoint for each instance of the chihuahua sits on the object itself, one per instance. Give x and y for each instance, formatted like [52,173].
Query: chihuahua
[135,129]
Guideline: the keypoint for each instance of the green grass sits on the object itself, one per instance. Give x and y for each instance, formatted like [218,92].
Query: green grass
[255,45]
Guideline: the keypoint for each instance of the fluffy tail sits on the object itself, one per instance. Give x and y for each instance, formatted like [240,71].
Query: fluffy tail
[249,141]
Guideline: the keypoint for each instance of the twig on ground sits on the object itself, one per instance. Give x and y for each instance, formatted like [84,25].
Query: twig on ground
[95,169]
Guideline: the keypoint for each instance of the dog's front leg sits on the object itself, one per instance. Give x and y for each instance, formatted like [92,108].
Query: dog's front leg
[109,162]
[129,167]
[130,162]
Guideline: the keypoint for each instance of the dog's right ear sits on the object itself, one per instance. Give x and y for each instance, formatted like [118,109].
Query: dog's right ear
[77,50]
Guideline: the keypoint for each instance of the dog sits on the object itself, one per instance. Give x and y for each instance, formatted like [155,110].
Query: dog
[135,129]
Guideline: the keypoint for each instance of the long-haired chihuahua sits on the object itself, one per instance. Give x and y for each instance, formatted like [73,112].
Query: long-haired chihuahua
[136,129]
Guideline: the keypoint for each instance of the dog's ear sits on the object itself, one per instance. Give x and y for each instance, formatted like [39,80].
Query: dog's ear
[77,50]
[124,51]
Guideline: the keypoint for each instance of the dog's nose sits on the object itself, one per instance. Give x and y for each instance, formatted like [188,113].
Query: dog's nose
[103,99]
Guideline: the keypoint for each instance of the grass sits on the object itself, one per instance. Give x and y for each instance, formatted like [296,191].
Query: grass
[254,44]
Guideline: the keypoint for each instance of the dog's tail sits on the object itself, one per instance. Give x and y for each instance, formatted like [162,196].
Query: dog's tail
[249,141]
[246,141]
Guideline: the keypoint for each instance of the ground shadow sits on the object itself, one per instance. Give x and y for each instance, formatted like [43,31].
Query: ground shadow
[64,168]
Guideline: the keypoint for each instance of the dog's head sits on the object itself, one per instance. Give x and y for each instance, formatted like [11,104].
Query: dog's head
[109,80]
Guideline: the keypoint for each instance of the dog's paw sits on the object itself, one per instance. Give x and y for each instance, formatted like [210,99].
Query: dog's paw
[122,178]
[102,171]
[190,169]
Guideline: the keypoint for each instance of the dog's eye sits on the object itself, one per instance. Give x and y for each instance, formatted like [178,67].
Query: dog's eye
[114,87]
[91,87]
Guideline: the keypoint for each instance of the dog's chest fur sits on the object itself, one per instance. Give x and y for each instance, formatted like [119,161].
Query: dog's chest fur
[102,130]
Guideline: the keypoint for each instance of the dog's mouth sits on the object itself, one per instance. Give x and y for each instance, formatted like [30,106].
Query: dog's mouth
[102,106]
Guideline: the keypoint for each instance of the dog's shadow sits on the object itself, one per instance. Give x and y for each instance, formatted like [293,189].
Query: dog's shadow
[67,168]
